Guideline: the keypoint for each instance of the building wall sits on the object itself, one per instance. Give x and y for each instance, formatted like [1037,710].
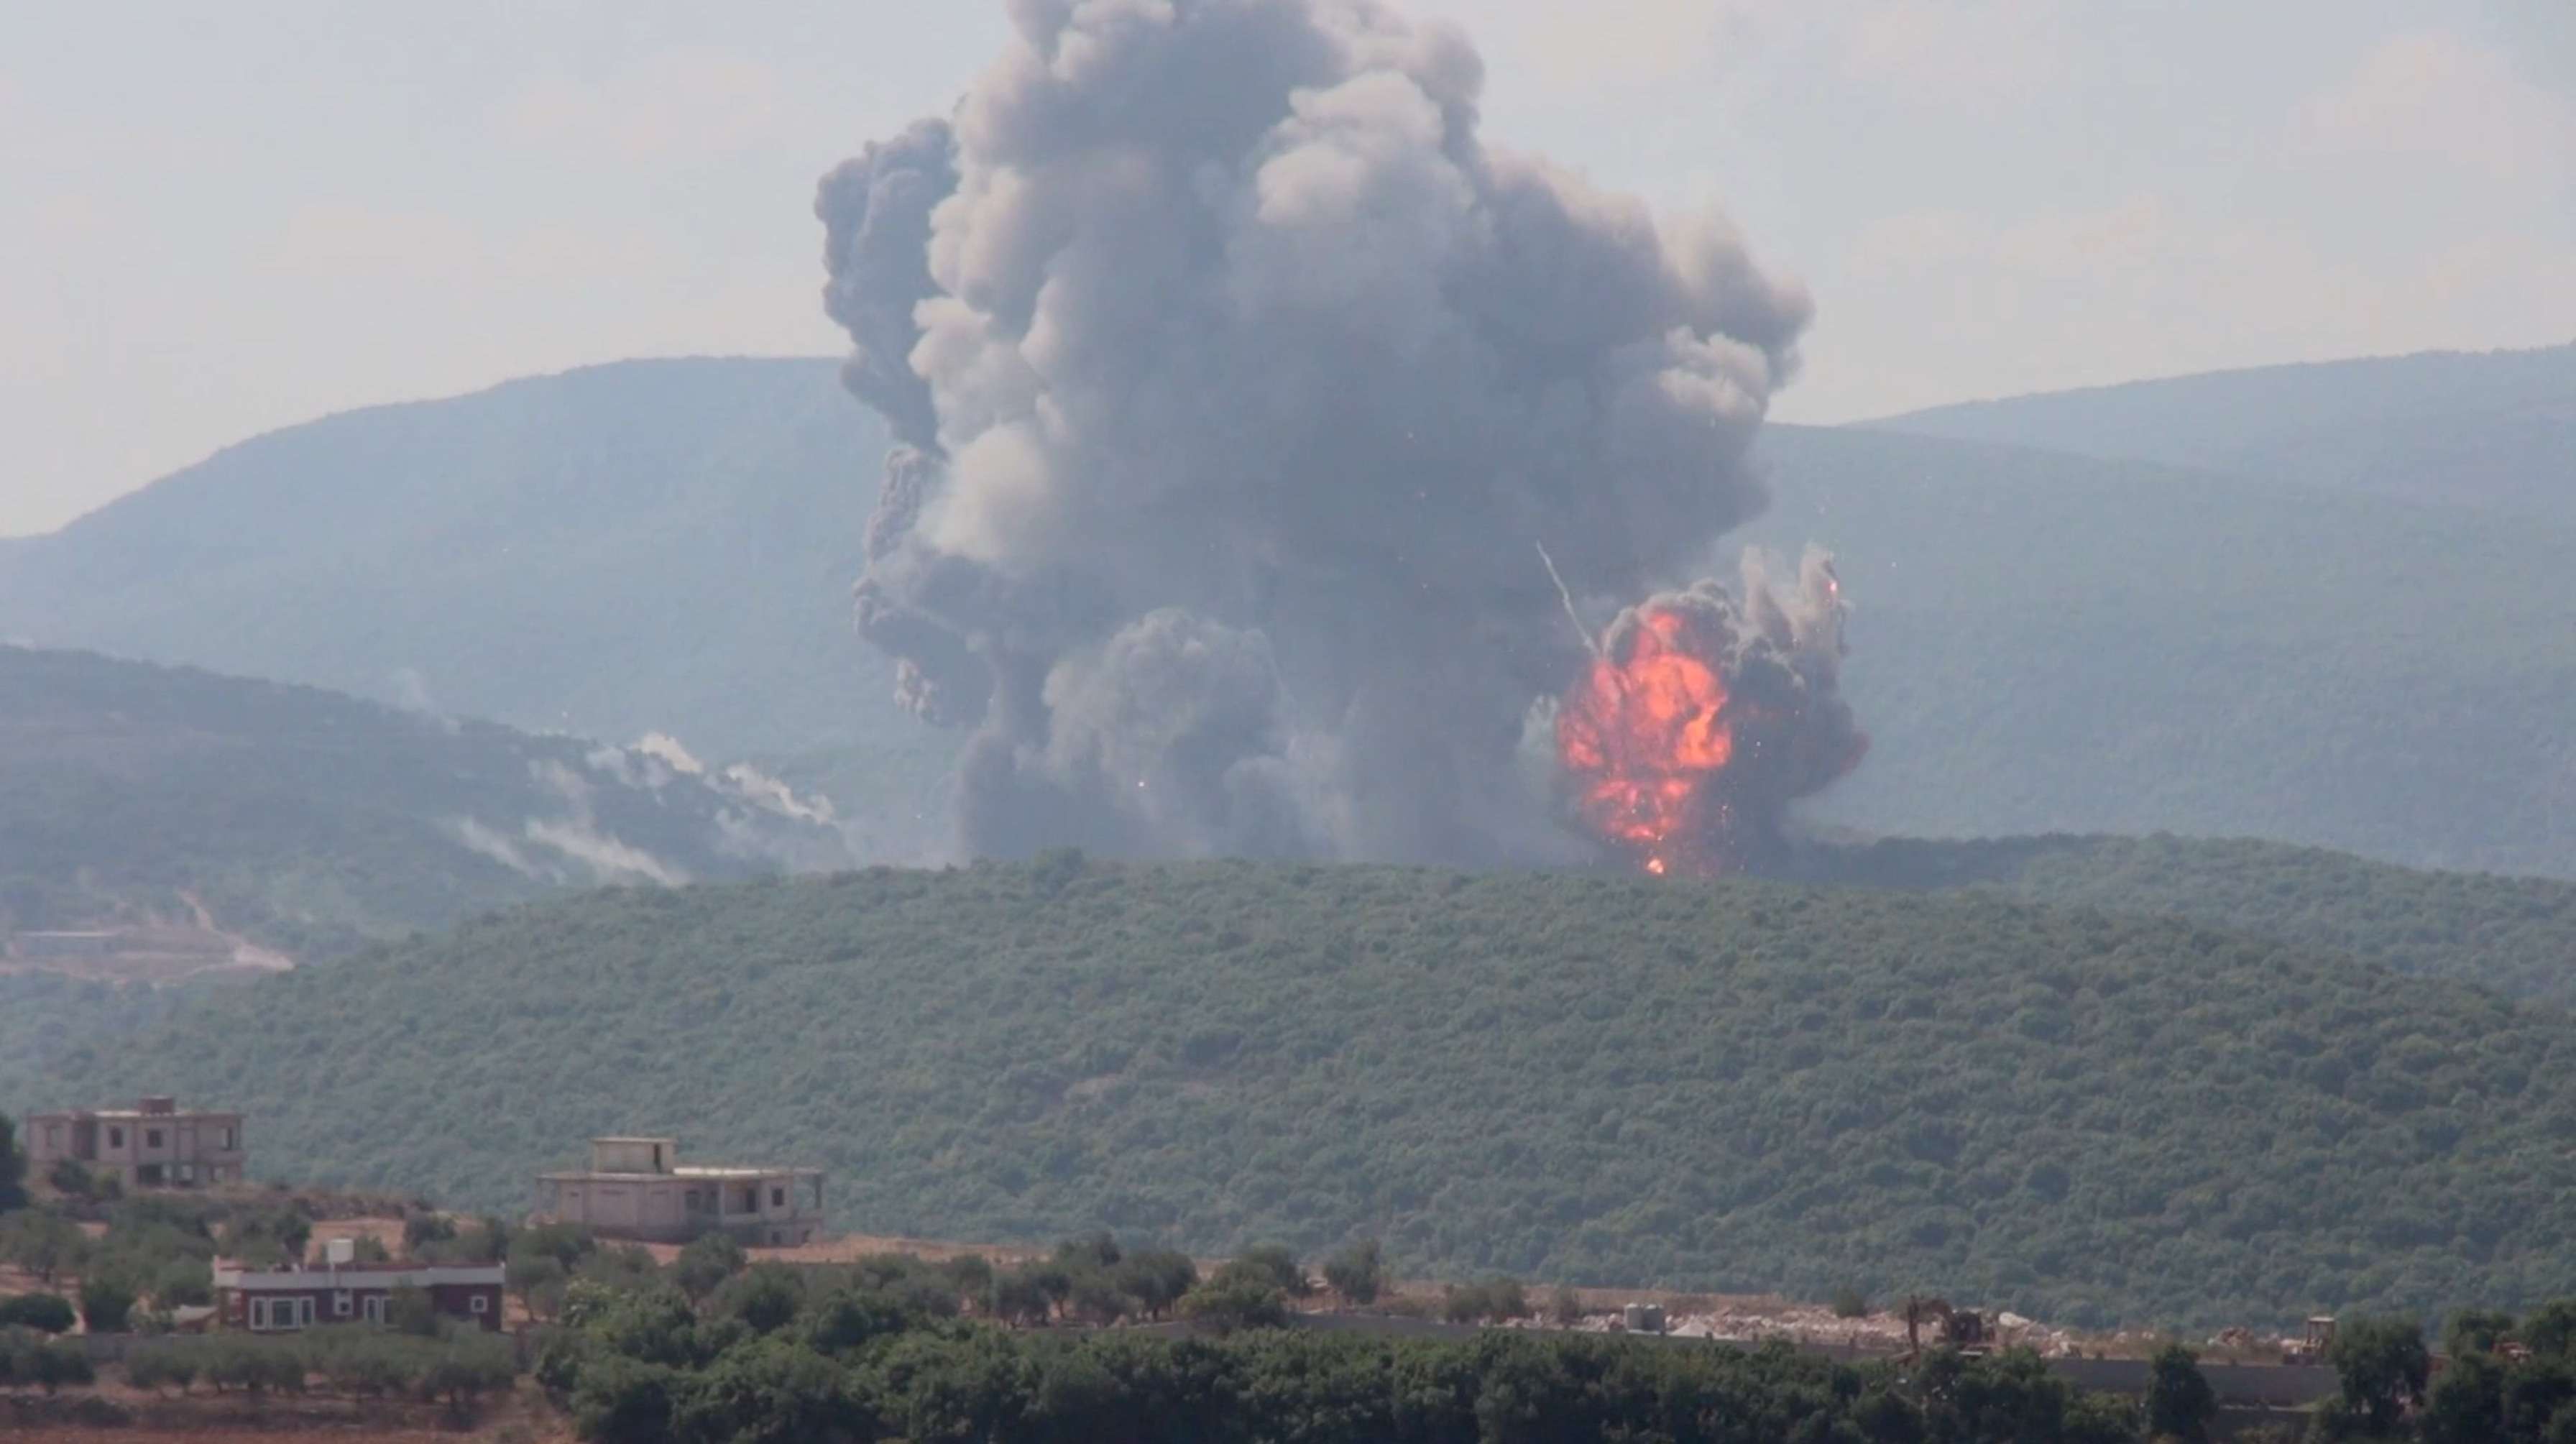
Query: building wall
[324,1296]
[774,1208]
[158,1150]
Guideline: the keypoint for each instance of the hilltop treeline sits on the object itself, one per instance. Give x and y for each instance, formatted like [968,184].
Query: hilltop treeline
[2514,934]
[2073,1114]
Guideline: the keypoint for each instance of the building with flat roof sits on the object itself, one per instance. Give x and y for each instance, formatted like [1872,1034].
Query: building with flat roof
[638,1188]
[151,1145]
[281,1301]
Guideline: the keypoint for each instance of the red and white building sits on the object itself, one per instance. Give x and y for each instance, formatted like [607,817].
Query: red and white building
[281,1301]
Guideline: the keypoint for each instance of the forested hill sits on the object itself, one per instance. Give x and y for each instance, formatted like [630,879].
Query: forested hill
[310,823]
[2514,934]
[2066,1112]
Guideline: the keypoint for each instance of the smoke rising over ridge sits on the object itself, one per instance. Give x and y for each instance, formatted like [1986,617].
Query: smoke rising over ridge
[1233,378]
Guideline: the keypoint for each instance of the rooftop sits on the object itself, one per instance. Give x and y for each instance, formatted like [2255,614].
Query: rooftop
[689,1171]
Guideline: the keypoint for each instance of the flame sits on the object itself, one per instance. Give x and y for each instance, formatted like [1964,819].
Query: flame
[1640,735]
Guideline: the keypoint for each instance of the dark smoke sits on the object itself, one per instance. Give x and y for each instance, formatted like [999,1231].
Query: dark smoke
[1233,378]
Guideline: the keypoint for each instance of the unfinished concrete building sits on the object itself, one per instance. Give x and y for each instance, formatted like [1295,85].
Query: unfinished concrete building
[151,1145]
[637,1188]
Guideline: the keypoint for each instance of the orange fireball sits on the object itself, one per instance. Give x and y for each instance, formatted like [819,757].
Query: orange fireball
[1641,734]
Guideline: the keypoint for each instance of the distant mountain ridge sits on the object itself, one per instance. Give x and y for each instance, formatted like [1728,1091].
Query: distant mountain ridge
[2490,429]
[2042,642]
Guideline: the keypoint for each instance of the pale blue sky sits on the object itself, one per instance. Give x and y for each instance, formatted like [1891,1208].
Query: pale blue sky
[219,219]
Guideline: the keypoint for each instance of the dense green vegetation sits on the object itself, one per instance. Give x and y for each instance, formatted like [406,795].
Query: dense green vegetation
[2043,642]
[2494,429]
[2075,1114]
[883,1354]
[2517,935]
[310,822]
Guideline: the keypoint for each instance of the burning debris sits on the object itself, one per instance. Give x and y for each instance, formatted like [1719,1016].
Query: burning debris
[1232,376]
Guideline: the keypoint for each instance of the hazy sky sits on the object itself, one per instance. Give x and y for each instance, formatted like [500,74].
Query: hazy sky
[219,219]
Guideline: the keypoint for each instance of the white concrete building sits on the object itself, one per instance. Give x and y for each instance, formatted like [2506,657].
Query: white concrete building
[637,1188]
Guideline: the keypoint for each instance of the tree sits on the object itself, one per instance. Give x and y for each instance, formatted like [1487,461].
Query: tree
[1358,1272]
[45,1313]
[1279,1265]
[2467,1405]
[13,1168]
[106,1305]
[969,1276]
[538,1282]
[2382,1365]
[2551,1330]
[1157,1279]
[1019,1297]
[765,1298]
[2476,1331]
[42,1243]
[2180,1402]
[1091,1251]
[708,1261]
[1236,1299]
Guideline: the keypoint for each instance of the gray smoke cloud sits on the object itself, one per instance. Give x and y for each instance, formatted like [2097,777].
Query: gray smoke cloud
[1233,377]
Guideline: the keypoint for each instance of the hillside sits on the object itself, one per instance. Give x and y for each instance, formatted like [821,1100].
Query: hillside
[661,546]
[1746,1086]
[2493,430]
[2042,642]
[2046,643]
[2514,935]
[158,800]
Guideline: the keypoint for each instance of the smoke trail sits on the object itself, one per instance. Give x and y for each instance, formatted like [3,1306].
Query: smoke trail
[1231,373]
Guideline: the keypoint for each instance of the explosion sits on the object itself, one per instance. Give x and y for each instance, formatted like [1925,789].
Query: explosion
[1698,721]
[1641,734]
[1230,374]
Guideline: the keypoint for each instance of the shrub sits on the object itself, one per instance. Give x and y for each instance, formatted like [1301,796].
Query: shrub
[59,1362]
[159,1366]
[354,1359]
[1850,1304]
[106,1305]
[466,1367]
[44,1313]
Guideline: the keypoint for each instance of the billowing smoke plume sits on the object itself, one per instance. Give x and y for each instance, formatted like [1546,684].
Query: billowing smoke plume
[1234,381]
